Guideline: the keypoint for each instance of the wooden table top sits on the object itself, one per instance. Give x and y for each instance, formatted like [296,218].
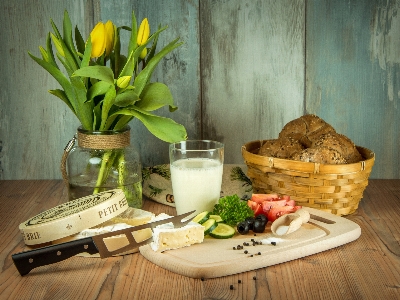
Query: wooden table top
[368,268]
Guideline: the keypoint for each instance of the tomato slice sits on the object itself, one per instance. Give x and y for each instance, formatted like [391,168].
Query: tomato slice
[291,203]
[260,198]
[258,210]
[267,205]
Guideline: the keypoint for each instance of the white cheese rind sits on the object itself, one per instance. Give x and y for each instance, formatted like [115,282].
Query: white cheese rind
[166,237]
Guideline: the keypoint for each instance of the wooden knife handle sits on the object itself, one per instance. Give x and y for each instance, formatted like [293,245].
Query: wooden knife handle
[28,260]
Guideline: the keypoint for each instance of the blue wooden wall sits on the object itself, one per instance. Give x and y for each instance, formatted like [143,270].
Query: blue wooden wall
[246,68]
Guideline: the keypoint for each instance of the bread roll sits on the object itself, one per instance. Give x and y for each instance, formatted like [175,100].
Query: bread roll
[281,148]
[311,139]
[340,143]
[295,129]
[321,155]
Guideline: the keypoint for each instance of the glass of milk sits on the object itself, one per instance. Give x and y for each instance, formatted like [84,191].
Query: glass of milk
[196,174]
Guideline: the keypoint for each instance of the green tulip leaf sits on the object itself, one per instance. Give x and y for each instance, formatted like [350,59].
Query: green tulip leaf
[86,55]
[153,47]
[134,56]
[110,121]
[122,121]
[50,51]
[83,109]
[108,102]
[133,39]
[98,72]
[67,32]
[144,76]
[97,89]
[126,98]
[96,116]
[154,96]
[80,43]
[56,31]
[60,77]
[61,94]
[163,128]
[44,54]
[65,64]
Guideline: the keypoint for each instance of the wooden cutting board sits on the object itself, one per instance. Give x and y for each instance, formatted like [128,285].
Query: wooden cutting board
[216,258]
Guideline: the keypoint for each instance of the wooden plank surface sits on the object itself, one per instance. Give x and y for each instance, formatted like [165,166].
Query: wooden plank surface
[252,70]
[34,125]
[353,62]
[246,69]
[368,268]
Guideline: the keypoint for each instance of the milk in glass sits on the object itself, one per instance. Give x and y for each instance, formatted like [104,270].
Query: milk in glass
[196,184]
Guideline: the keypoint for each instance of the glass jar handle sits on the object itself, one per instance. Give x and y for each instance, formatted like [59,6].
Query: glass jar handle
[63,166]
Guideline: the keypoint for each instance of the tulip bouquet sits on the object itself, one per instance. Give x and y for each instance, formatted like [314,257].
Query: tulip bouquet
[106,89]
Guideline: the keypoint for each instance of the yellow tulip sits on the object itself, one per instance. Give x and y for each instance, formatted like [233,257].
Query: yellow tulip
[123,81]
[110,36]
[57,43]
[98,38]
[143,53]
[143,32]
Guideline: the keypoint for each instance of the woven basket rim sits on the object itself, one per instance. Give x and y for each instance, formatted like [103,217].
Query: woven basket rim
[307,167]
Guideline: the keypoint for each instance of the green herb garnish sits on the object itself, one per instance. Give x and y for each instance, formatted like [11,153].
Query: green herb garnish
[232,210]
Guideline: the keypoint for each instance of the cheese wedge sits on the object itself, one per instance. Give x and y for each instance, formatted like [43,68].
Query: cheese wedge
[166,237]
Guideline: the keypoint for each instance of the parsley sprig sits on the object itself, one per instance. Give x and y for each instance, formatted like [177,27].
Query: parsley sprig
[232,210]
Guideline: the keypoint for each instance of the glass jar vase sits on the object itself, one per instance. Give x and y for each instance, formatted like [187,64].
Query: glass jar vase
[103,160]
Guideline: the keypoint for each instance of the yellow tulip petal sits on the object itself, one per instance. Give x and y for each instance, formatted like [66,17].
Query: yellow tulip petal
[98,38]
[110,35]
[143,32]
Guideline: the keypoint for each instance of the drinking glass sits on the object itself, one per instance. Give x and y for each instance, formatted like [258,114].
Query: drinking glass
[196,174]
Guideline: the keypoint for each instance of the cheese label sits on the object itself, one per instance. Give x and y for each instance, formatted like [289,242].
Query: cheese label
[73,216]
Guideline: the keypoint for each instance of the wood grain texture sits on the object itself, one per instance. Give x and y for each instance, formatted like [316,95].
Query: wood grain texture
[34,125]
[246,68]
[353,63]
[252,70]
[368,268]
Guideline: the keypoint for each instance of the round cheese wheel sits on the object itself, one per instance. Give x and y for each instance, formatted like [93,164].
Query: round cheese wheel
[73,216]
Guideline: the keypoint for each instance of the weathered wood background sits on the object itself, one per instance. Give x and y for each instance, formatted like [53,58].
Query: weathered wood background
[246,69]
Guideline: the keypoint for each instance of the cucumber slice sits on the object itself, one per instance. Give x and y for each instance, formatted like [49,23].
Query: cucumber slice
[201,217]
[209,226]
[222,231]
[216,218]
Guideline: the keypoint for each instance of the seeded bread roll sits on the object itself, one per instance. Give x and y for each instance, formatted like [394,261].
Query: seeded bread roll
[321,155]
[340,143]
[281,148]
[306,129]
[295,129]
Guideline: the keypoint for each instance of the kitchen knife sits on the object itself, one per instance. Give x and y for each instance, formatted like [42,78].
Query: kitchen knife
[28,260]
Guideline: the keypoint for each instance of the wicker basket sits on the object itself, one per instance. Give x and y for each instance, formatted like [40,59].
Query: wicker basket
[333,188]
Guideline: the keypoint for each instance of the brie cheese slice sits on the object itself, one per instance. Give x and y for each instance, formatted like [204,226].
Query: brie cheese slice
[166,237]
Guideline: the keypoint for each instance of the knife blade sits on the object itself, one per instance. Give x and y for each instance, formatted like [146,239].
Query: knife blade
[28,260]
